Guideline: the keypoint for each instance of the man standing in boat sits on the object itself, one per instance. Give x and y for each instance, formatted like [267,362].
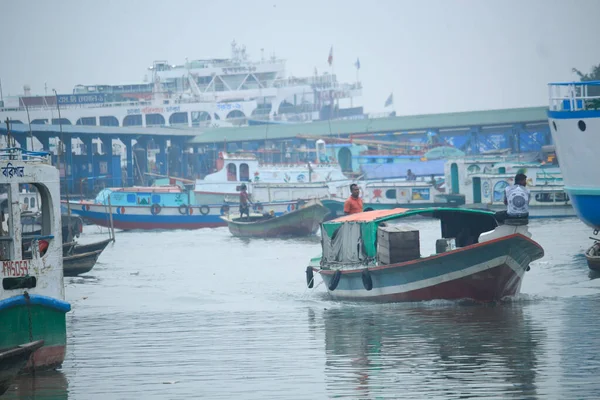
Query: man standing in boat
[244,201]
[516,198]
[354,204]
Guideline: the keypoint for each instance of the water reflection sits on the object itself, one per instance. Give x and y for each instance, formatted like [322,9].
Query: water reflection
[49,385]
[593,274]
[422,352]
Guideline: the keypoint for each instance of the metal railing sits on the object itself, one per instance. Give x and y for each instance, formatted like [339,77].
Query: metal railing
[574,96]
[17,153]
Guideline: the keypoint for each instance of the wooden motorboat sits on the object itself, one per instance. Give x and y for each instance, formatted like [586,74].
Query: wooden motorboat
[364,258]
[303,221]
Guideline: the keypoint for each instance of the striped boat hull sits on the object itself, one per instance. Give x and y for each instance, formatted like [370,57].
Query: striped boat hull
[141,216]
[483,272]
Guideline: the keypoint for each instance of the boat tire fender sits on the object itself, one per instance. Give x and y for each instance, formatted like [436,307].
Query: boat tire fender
[366,279]
[310,278]
[335,280]
[155,209]
[204,210]
[183,209]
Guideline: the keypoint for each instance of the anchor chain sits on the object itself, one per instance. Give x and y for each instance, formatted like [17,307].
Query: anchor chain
[28,301]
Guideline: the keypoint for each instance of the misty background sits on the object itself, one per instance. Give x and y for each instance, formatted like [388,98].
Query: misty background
[435,56]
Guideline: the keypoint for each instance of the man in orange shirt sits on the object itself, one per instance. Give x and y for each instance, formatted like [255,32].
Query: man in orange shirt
[354,203]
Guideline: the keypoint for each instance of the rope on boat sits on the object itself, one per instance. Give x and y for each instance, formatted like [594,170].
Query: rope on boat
[314,287]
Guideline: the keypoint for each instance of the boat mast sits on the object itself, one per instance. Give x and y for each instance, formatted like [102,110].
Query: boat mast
[62,140]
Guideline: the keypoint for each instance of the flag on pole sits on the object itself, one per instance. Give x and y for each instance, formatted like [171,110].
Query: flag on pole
[357,63]
[390,100]
[330,58]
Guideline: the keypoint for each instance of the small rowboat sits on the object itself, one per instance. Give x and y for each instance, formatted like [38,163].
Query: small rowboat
[303,221]
[593,256]
[86,248]
[80,263]
[12,361]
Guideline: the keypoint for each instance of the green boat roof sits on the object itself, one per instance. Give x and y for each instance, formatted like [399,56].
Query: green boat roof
[370,220]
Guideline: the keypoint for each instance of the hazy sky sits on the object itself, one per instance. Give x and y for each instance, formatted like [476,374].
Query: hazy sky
[435,56]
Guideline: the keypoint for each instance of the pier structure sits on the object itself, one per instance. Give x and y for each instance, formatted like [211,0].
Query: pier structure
[91,156]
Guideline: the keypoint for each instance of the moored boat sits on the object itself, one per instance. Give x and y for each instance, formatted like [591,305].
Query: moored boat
[32,305]
[80,263]
[302,221]
[399,194]
[159,207]
[574,119]
[364,258]
[592,255]
[88,247]
[12,361]
[481,181]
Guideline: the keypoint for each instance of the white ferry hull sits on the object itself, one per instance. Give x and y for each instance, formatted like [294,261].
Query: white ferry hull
[576,133]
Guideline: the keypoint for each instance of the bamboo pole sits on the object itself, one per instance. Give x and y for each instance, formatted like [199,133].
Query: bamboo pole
[110,217]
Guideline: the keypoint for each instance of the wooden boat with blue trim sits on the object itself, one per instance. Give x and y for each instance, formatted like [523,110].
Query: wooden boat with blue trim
[158,207]
[302,221]
[365,257]
[32,291]
[12,361]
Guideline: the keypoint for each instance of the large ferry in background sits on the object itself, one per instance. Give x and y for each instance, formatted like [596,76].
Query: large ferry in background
[198,93]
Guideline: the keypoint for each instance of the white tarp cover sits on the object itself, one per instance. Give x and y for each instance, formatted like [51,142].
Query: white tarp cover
[345,246]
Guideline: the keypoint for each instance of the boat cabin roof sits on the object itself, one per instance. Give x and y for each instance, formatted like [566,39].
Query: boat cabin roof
[398,184]
[464,225]
[378,216]
[147,189]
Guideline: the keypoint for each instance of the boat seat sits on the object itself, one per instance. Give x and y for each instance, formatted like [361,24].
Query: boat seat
[516,221]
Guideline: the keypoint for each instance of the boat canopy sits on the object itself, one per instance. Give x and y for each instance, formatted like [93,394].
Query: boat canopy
[352,239]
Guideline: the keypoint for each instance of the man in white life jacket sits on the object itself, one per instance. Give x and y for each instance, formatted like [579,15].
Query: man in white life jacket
[516,198]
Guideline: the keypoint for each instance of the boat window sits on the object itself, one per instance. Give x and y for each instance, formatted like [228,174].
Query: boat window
[36,224]
[244,172]
[131,198]
[390,194]
[155,199]
[26,202]
[420,194]
[231,172]
[561,197]
[547,197]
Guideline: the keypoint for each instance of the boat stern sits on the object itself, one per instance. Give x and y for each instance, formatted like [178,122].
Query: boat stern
[35,317]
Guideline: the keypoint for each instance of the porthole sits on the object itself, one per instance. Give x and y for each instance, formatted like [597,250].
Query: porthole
[581,126]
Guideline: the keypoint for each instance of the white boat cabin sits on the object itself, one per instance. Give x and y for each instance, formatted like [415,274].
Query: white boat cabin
[274,192]
[484,181]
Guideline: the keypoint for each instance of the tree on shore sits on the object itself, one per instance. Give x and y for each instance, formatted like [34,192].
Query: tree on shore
[593,75]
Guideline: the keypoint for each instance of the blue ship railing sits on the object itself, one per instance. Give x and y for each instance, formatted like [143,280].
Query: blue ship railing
[17,153]
[574,96]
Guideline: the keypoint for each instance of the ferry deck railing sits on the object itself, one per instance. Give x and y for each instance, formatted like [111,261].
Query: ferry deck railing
[574,96]
[17,153]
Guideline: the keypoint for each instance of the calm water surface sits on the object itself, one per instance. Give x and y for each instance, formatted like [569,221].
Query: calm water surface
[190,315]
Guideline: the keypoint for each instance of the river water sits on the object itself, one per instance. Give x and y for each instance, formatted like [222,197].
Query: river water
[201,314]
